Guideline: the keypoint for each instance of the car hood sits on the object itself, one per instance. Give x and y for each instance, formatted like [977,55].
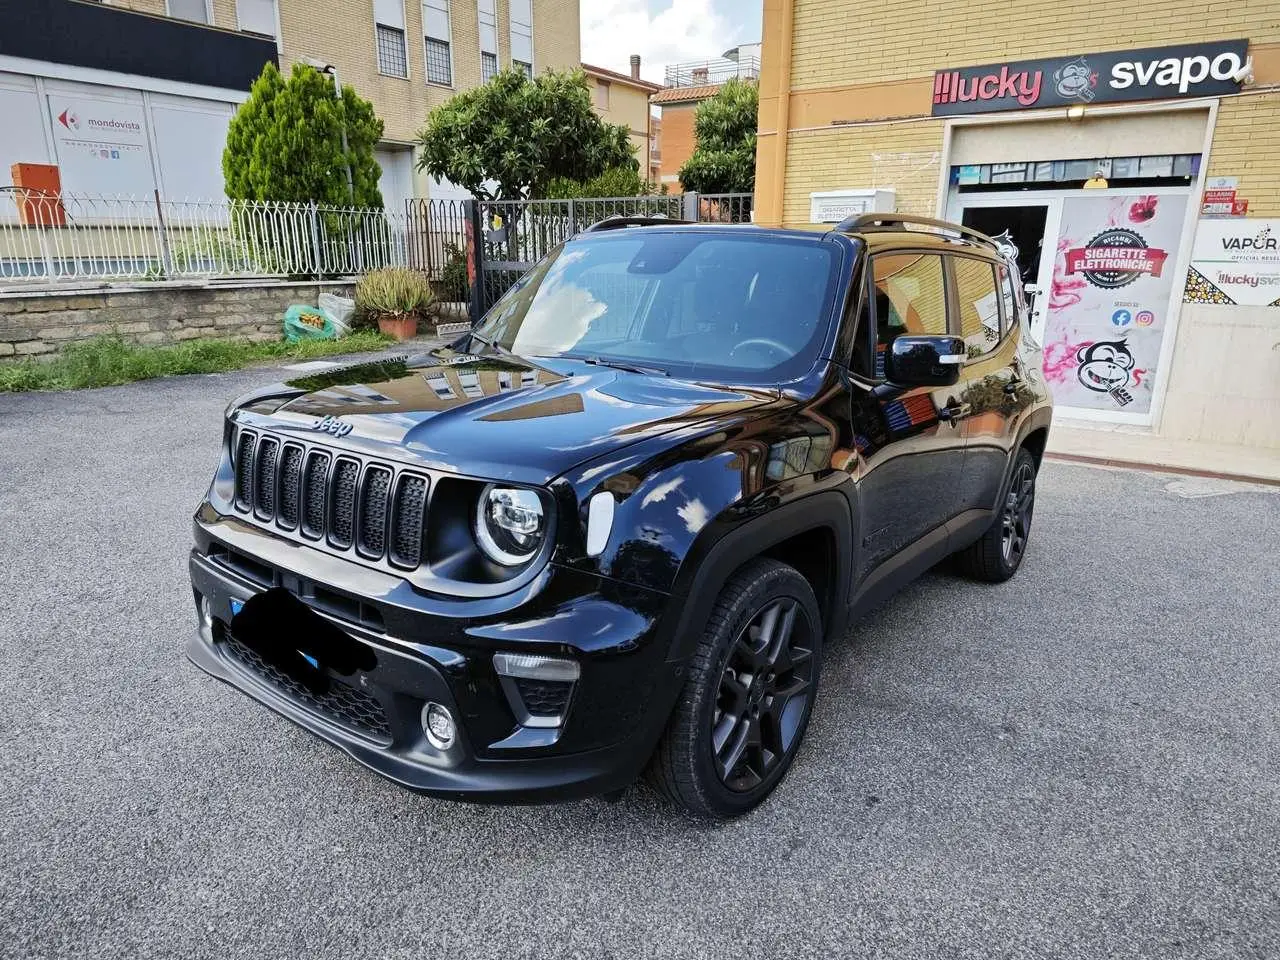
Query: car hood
[499,417]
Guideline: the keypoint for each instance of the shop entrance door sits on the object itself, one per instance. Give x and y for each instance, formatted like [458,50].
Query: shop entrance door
[1033,227]
[1106,265]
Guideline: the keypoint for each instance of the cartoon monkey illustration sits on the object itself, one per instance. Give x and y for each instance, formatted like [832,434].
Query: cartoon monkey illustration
[1105,365]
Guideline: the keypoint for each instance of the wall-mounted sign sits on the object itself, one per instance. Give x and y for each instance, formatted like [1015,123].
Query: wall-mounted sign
[1155,73]
[832,206]
[1221,200]
[1236,261]
[102,146]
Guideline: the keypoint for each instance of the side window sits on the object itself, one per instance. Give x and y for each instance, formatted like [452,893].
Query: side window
[979,304]
[860,360]
[910,297]
[1010,301]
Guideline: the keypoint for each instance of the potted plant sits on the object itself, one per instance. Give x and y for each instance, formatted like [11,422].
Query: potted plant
[397,298]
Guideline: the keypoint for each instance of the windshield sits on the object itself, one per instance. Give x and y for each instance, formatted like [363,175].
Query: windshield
[745,308]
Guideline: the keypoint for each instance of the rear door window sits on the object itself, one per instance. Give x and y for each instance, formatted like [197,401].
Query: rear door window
[979,304]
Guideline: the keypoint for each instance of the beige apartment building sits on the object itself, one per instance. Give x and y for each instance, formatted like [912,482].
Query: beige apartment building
[404,56]
[624,99]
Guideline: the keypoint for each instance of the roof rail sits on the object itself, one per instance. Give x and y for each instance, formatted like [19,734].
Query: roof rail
[616,222]
[872,222]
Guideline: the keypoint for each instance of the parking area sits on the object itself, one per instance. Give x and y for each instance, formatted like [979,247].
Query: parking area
[1082,762]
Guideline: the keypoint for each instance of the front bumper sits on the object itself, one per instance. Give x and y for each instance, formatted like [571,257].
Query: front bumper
[615,713]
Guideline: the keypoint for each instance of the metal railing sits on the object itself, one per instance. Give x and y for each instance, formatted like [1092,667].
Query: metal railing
[724,207]
[516,234]
[71,237]
[701,73]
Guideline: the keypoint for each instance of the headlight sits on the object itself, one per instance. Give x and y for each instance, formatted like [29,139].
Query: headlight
[510,524]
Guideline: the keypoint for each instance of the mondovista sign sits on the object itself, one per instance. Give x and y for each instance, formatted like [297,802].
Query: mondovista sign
[1155,73]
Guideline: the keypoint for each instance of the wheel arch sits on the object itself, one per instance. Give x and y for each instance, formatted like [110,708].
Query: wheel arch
[813,534]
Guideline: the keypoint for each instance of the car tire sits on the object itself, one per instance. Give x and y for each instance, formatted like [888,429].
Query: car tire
[748,695]
[997,554]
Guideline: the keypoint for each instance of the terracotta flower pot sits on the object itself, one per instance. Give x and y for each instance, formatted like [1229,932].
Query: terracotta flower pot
[401,326]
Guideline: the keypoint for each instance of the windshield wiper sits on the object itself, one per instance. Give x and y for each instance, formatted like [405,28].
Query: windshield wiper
[621,365]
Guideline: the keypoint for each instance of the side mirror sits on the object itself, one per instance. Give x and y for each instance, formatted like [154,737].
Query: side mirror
[918,361]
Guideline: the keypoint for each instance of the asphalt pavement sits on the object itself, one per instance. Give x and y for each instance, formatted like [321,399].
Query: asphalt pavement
[1083,762]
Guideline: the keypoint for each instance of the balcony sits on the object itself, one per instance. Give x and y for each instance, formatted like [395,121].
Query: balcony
[702,73]
[121,41]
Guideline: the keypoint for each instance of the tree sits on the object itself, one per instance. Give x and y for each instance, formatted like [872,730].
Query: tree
[724,154]
[509,138]
[285,142]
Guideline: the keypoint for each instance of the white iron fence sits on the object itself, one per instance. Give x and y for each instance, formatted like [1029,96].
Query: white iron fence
[66,239]
[72,237]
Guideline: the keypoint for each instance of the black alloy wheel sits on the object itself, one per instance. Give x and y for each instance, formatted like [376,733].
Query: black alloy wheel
[998,553]
[764,694]
[1019,503]
[748,694]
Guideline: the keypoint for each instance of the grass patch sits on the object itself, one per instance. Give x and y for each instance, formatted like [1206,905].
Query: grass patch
[110,360]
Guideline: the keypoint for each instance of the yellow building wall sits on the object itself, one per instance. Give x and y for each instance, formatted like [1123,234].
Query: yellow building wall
[839,41]
[1246,144]
[833,105]
[906,156]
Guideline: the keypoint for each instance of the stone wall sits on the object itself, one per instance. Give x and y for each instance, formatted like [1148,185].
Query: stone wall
[42,323]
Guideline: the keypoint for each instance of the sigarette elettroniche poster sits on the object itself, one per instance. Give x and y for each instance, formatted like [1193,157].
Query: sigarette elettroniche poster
[1109,301]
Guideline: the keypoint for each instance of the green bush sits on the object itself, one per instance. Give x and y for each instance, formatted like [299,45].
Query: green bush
[453,284]
[110,360]
[393,291]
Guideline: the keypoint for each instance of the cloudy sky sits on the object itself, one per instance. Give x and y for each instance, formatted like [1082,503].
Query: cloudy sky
[664,31]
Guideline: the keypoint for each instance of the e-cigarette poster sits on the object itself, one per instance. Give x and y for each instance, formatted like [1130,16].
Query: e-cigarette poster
[1113,280]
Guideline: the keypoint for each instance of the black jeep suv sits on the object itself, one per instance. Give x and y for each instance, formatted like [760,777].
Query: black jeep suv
[612,528]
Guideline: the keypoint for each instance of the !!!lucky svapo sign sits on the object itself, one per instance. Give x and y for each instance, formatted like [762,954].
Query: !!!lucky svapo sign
[1155,73]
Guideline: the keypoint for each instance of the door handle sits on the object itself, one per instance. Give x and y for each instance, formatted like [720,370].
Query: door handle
[955,411]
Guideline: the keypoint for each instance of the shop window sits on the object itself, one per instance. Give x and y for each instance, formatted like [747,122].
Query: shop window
[979,304]
[910,297]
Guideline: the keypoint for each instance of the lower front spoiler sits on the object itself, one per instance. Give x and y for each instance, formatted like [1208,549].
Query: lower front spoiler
[535,780]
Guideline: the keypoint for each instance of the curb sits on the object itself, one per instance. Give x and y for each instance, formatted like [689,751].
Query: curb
[1159,468]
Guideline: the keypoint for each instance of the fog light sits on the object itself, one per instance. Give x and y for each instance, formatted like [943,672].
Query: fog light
[206,618]
[437,723]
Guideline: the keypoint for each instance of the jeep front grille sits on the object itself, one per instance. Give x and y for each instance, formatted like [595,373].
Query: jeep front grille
[339,499]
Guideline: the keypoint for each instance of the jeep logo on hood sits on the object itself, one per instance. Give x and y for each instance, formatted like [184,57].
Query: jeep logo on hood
[332,425]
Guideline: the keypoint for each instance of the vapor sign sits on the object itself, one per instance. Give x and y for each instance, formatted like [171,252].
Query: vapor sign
[1236,261]
[1155,73]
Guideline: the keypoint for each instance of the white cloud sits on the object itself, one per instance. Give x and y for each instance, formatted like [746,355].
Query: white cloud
[679,30]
